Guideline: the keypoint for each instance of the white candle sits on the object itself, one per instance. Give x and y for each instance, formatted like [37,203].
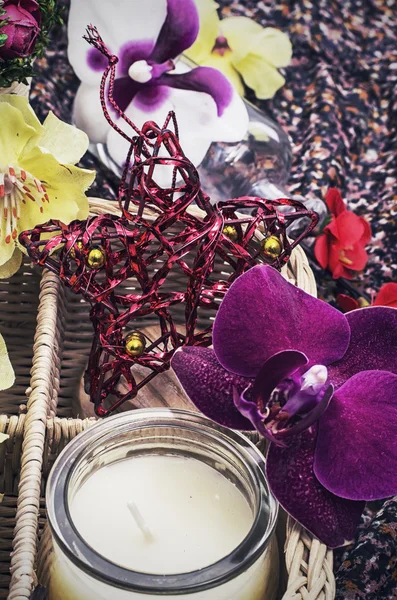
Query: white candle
[160,515]
[195,515]
[259,582]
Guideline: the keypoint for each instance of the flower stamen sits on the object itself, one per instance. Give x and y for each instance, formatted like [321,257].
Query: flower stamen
[16,186]
[343,258]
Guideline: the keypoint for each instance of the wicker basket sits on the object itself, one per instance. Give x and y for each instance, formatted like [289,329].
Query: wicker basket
[44,426]
[18,89]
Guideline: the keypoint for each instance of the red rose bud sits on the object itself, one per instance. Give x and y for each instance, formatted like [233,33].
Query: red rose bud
[22,28]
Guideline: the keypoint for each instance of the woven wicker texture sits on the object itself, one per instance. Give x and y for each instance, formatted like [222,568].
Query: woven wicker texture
[19,89]
[309,565]
[19,301]
[61,345]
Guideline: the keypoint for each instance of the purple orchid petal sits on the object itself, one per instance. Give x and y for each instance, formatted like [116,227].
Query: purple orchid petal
[179,31]
[151,103]
[278,423]
[96,60]
[148,98]
[356,453]
[132,52]
[209,386]
[274,371]
[264,314]
[203,79]
[372,343]
[151,98]
[118,22]
[125,90]
[291,478]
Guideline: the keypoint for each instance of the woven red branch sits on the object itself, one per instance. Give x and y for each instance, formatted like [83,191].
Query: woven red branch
[167,254]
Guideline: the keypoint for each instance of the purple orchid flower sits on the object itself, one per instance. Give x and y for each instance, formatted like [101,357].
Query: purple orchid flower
[322,386]
[147,37]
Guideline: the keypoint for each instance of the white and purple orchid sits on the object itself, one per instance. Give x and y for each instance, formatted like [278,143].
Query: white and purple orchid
[147,37]
[320,385]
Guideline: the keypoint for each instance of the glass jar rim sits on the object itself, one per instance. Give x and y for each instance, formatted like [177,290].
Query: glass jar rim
[78,551]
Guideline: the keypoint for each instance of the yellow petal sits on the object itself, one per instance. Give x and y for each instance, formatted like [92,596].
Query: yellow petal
[209,28]
[65,142]
[7,375]
[22,104]
[45,167]
[64,208]
[245,37]
[239,32]
[65,186]
[11,266]
[274,46]
[14,134]
[224,64]
[263,78]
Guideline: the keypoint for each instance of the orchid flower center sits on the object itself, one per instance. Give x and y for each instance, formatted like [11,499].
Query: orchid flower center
[221,46]
[314,379]
[142,72]
[16,187]
[294,398]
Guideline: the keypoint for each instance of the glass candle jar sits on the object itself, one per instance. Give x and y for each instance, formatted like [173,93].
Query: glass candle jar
[161,502]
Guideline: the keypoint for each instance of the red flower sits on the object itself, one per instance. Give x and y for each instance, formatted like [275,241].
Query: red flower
[341,246]
[387,296]
[347,303]
[22,28]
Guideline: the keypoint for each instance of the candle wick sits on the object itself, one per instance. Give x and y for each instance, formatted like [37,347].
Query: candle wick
[139,520]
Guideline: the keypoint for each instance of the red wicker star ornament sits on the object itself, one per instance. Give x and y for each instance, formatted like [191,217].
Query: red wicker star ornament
[170,257]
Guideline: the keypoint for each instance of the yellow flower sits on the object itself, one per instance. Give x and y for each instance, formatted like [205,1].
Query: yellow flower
[7,376]
[242,49]
[38,179]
